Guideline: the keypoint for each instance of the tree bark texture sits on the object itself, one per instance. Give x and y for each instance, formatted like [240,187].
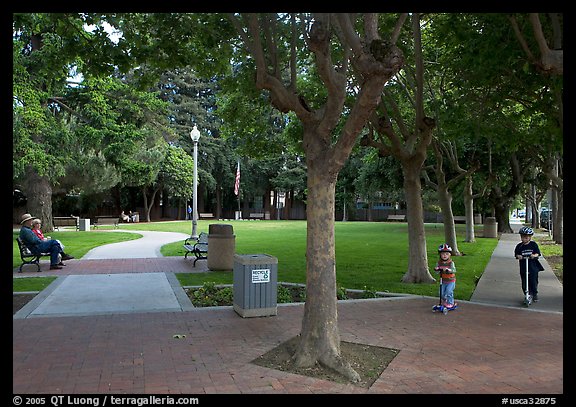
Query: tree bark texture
[40,188]
[469,210]
[320,338]
[445,201]
[417,257]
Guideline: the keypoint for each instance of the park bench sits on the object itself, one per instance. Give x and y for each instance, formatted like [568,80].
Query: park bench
[199,248]
[106,220]
[459,219]
[27,256]
[400,218]
[256,215]
[58,221]
[206,215]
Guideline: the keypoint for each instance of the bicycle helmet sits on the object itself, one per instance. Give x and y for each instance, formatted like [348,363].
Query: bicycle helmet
[526,231]
[444,248]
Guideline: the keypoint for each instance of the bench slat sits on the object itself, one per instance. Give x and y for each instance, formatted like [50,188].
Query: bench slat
[198,249]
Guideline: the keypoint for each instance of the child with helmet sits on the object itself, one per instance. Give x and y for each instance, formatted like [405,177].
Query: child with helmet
[447,270]
[529,248]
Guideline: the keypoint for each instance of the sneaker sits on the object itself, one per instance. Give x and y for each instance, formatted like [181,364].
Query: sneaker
[66,256]
[55,267]
[61,264]
[535,298]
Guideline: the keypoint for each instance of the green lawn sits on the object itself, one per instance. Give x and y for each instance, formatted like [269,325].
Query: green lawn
[371,255]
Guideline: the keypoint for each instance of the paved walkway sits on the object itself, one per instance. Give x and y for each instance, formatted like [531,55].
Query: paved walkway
[164,345]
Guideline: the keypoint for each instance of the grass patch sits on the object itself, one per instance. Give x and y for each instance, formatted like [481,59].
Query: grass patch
[368,254]
[31,283]
[553,253]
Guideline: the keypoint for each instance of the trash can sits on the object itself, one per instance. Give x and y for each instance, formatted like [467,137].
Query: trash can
[255,285]
[221,247]
[477,219]
[84,225]
[490,227]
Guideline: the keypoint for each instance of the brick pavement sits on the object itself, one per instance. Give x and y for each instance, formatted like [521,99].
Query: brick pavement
[479,349]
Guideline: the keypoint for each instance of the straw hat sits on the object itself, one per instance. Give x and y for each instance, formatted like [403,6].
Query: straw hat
[25,218]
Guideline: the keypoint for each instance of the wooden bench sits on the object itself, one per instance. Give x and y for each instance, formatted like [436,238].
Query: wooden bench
[199,248]
[400,218]
[27,256]
[58,221]
[206,215]
[459,219]
[106,220]
[256,215]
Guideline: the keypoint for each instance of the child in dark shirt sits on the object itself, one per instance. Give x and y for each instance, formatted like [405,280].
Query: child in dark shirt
[528,248]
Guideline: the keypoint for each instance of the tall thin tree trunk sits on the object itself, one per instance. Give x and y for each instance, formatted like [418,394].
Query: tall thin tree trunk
[417,256]
[469,210]
[445,201]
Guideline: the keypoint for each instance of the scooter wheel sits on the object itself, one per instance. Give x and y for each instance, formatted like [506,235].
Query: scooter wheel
[445,311]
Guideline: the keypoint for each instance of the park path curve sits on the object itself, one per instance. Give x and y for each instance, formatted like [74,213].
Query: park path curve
[146,247]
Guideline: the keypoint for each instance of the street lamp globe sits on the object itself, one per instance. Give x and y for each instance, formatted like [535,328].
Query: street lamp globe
[195,134]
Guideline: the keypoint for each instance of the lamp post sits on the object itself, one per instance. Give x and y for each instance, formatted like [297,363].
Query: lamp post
[195,136]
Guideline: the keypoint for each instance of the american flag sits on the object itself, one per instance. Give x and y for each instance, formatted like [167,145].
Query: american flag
[237,183]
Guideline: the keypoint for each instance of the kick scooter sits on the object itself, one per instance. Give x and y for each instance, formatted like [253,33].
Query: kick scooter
[440,307]
[527,296]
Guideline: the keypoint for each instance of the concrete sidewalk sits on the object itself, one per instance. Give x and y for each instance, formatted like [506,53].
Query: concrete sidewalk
[501,285]
[68,344]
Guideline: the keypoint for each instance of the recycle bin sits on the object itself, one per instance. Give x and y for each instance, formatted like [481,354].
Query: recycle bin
[255,285]
[221,247]
[84,225]
[490,227]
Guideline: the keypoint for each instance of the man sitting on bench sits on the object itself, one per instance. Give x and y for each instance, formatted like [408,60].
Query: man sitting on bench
[38,246]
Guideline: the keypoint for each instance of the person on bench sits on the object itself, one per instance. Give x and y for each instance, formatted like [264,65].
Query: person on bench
[37,229]
[38,246]
[124,218]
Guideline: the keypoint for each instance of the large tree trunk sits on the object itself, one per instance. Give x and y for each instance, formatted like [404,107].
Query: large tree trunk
[417,256]
[38,190]
[320,338]
[502,214]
